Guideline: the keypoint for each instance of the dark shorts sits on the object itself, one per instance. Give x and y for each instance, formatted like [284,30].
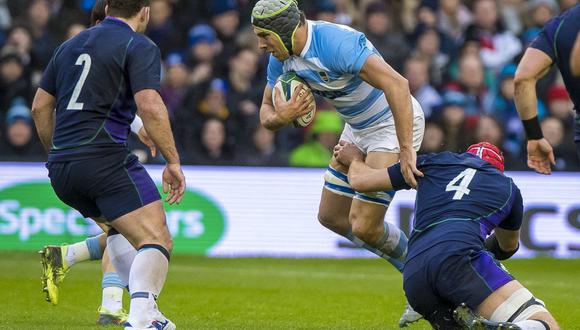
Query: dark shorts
[109,187]
[437,281]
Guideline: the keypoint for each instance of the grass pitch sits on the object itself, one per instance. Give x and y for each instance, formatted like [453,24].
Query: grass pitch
[204,293]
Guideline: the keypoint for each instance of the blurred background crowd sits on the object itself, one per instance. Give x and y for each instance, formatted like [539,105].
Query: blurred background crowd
[459,57]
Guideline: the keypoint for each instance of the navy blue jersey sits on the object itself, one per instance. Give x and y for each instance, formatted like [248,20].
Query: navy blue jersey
[94,77]
[461,198]
[557,40]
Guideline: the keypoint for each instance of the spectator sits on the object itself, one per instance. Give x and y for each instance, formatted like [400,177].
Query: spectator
[417,73]
[379,30]
[225,19]
[428,46]
[453,18]
[453,120]
[161,28]
[323,137]
[325,11]
[44,42]
[175,83]
[213,149]
[13,83]
[19,40]
[203,47]
[553,130]
[559,103]
[433,139]
[74,29]
[262,151]
[20,142]
[471,83]
[244,96]
[498,45]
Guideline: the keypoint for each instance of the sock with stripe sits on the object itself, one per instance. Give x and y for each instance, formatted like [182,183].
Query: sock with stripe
[89,249]
[361,244]
[112,292]
[146,280]
[393,242]
[533,325]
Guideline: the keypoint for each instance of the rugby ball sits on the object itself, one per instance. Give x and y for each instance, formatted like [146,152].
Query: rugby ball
[286,84]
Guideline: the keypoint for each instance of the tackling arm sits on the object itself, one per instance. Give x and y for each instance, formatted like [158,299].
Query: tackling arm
[363,178]
[43,114]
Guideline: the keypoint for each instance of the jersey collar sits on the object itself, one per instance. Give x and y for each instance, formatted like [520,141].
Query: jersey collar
[117,21]
[309,25]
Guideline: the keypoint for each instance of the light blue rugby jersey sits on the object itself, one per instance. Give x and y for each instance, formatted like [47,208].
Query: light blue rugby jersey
[330,63]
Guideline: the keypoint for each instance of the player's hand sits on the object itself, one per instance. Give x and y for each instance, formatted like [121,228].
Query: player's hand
[346,153]
[540,156]
[298,105]
[144,137]
[408,159]
[173,183]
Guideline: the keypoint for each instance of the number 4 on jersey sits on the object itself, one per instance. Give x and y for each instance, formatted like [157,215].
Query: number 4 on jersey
[85,61]
[461,189]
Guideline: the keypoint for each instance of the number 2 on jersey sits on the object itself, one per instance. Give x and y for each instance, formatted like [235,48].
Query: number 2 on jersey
[85,61]
[461,189]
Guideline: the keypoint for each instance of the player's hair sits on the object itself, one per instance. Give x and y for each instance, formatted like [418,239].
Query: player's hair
[98,13]
[126,8]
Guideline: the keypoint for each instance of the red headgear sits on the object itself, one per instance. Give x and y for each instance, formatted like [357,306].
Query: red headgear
[489,153]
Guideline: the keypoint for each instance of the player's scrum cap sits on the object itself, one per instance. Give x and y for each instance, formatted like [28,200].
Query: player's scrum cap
[279,17]
[489,153]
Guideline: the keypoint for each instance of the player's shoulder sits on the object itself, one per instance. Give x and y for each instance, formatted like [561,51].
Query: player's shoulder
[141,40]
[329,34]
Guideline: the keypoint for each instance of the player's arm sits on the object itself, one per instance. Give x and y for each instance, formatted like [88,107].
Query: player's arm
[156,122]
[534,65]
[362,177]
[274,117]
[380,75]
[575,57]
[504,241]
[43,115]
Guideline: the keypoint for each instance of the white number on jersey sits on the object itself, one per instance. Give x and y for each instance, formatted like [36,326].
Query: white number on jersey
[85,61]
[462,189]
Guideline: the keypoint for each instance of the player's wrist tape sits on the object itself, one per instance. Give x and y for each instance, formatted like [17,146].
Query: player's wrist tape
[533,128]
[492,245]
[136,125]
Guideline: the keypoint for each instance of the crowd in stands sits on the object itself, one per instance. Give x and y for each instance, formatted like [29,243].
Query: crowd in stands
[459,57]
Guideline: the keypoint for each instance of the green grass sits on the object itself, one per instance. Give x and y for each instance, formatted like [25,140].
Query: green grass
[204,293]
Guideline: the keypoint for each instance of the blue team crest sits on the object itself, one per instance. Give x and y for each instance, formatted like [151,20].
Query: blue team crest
[324,76]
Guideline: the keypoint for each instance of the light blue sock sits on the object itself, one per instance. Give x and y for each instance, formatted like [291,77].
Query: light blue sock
[95,251]
[398,264]
[112,279]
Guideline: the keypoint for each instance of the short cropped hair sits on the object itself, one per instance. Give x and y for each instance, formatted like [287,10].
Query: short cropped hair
[126,8]
[98,14]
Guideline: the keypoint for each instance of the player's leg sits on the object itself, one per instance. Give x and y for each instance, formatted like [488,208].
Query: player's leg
[111,310]
[514,303]
[147,231]
[368,212]
[477,280]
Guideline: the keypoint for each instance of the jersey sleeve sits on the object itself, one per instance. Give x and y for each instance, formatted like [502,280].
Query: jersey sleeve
[275,70]
[347,52]
[514,219]
[144,66]
[545,40]
[48,81]
[397,179]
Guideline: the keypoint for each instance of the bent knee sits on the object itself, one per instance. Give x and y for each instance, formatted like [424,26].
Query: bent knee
[336,223]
